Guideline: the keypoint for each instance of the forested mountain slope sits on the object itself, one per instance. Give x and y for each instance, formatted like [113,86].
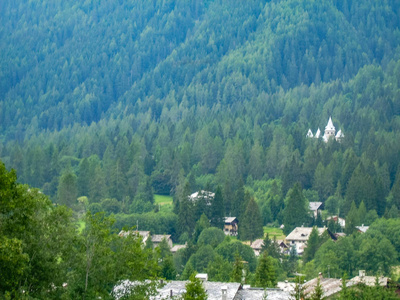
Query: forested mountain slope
[65,63]
[107,99]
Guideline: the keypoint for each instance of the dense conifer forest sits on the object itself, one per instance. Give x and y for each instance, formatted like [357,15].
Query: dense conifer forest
[105,103]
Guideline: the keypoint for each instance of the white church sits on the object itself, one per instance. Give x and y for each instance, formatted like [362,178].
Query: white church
[330,132]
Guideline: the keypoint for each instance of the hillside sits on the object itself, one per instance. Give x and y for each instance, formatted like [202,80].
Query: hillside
[115,100]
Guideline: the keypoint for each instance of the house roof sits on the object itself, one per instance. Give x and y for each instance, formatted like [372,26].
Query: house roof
[257,244]
[303,233]
[157,238]
[143,234]
[330,286]
[176,248]
[205,194]
[213,290]
[282,243]
[362,228]
[367,280]
[315,205]
[258,294]
[230,219]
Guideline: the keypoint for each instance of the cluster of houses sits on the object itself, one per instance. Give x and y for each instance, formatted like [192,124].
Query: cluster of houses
[237,291]
[297,238]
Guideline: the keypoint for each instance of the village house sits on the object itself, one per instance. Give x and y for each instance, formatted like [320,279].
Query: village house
[143,234]
[362,228]
[337,219]
[176,248]
[316,208]
[231,226]
[202,195]
[257,246]
[215,290]
[157,239]
[300,235]
[332,286]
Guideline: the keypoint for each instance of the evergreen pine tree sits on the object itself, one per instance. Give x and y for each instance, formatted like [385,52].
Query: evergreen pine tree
[395,191]
[352,219]
[67,189]
[194,289]
[168,269]
[318,291]
[298,292]
[186,221]
[237,272]
[312,246]
[251,224]
[217,209]
[362,213]
[295,212]
[265,275]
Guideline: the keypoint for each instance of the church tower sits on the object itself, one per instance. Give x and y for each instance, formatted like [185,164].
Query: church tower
[330,130]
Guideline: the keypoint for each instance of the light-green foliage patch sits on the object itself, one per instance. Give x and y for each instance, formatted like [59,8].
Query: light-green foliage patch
[273,231]
[81,225]
[163,200]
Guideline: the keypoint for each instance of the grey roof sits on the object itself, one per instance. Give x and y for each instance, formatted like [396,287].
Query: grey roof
[302,233]
[157,238]
[258,293]
[176,248]
[143,234]
[213,290]
[257,244]
[367,280]
[314,205]
[330,286]
[230,219]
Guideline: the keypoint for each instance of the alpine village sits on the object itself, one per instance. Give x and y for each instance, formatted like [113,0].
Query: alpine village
[199,149]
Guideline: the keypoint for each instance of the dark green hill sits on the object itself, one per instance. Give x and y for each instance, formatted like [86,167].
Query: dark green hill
[119,99]
[66,63]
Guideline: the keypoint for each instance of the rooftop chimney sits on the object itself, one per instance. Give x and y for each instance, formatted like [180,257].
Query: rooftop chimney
[202,276]
[224,290]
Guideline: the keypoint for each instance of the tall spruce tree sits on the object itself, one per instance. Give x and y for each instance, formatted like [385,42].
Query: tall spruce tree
[312,246]
[238,267]
[217,209]
[251,226]
[295,212]
[265,275]
[194,289]
[67,189]
[352,219]
[186,220]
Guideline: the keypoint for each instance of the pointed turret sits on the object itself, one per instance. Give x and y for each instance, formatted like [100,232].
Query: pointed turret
[330,126]
[310,134]
[330,130]
[339,135]
[317,134]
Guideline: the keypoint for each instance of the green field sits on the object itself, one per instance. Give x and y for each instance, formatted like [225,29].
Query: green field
[163,200]
[273,231]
